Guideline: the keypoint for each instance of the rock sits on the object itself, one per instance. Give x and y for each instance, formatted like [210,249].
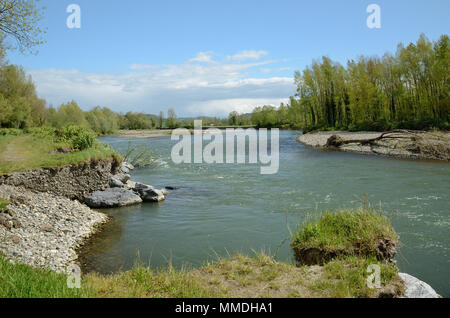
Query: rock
[334,141]
[416,288]
[172,188]
[18,199]
[46,228]
[115,183]
[16,239]
[122,177]
[128,166]
[130,185]
[16,224]
[165,192]
[138,187]
[111,198]
[152,195]
[5,221]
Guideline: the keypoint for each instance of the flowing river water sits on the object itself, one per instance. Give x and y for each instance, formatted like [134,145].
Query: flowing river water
[221,209]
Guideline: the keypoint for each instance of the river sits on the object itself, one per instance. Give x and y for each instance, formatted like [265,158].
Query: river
[221,209]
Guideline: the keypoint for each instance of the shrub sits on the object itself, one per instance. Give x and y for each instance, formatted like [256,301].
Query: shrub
[10,132]
[79,137]
[42,132]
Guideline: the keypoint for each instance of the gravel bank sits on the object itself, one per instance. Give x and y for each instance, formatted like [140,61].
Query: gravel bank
[400,144]
[45,229]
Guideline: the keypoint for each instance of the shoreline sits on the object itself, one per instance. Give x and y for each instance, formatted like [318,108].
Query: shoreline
[49,229]
[402,144]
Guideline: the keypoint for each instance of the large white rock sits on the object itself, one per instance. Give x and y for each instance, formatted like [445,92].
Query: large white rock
[416,288]
[112,198]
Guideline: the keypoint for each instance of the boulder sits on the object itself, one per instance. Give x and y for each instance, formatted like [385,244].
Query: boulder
[126,165]
[416,288]
[122,177]
[152,195]
[115,183]
[138,187]
[112,198]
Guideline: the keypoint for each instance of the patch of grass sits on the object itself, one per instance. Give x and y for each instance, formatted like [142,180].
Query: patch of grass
[237,277]
[355,232]
[347,278]
[22,281]
[142,282]
[24,152]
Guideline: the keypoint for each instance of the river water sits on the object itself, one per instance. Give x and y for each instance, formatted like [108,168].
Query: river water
[221,209]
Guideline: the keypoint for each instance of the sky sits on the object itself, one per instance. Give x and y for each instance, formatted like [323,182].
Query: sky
[209,57]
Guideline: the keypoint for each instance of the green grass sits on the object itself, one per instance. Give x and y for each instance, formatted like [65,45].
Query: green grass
[19,153]
[345,232]
[346,277]
[22,281]
[239,276]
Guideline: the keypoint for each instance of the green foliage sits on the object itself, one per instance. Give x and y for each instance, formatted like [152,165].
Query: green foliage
[42,132]
[103,120]
[135,121]
[19,20]
[172,121]
[409,90]
[66,114]
[79,137]
[19,105]
[11,132]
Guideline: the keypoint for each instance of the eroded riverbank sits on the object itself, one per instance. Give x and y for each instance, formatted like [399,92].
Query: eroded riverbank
[398,143]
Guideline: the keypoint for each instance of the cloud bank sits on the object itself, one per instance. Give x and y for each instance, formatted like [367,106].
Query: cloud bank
[200,86]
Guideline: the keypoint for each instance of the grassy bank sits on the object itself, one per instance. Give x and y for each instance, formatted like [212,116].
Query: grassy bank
[21,150]
[241,275]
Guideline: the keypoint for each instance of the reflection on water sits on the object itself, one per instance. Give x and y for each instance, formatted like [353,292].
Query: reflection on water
[223,208]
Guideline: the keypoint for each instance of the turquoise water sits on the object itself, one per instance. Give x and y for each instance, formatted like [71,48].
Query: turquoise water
[221,209]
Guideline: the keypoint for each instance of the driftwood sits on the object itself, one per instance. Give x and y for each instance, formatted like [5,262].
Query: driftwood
[337,141]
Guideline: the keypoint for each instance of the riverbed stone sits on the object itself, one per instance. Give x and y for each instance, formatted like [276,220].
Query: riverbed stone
[115,183]
[152,195]
[415,288]
[122,177]
[112,198]
[128,166]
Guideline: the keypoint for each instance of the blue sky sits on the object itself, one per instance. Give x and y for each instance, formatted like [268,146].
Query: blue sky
[209,57]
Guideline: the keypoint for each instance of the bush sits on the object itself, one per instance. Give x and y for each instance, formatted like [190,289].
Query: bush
[42,132]
[79,137]
[10,132]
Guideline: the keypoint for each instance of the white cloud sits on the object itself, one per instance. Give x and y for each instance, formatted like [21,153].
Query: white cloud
[248,55]
[191,88]
[204,57]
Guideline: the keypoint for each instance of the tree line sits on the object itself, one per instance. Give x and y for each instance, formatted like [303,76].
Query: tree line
[407,90]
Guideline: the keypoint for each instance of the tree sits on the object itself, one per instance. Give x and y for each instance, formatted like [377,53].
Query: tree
[233,118]
[161,119]
[172,121]
[19,20]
